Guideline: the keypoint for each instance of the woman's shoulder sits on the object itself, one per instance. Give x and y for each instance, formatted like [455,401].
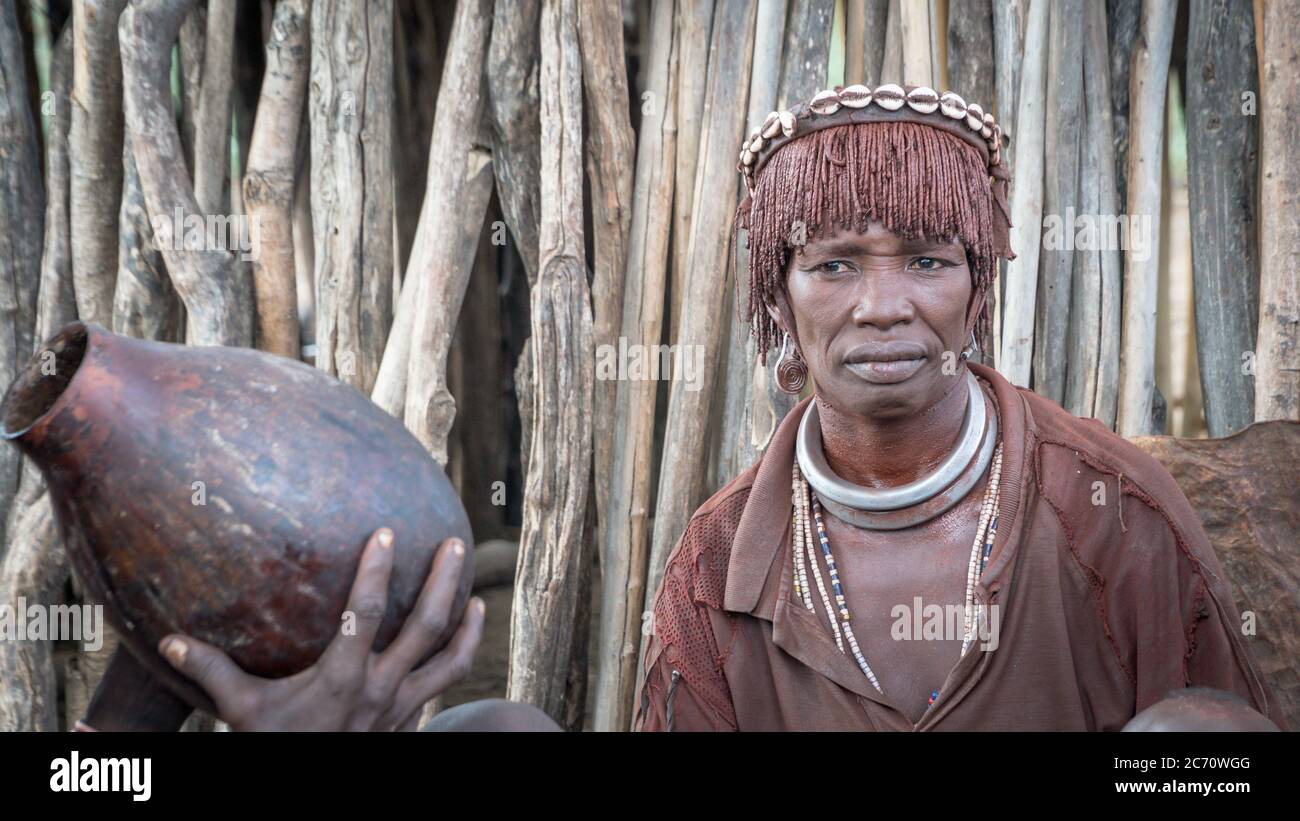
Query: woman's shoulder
[703,553]
[730,497]
[713,524]
[1058,434]
[1123,510]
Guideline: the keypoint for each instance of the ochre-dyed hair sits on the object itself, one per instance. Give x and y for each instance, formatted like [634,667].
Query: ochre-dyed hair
[917,181]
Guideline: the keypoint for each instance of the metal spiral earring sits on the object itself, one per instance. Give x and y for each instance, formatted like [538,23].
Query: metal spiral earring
[970,349]
[791,373]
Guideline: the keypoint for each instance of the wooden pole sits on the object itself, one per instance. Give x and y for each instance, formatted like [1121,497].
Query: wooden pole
[855,41]
[22,203]
[419,49]
[971,68]
[95,153]
[1148,82]
[57,305]
[350,107]
[875,15]
[511,73]
[549,594]
[694,25]
[611,163]
[1083,333]
[269,183]
[212,122]
[1123,24]
[443,253]
[625,540]
[191,43]
[1099,167]
[891,61]
[914,19]
[770,61]
[446,235]
[807,46]
[1026,202]
[145,304]
[304,255]
[218,299]
[515,126]
[1008,18]
[35,569]
[1223,187]
[1061,164]
[750,407]
[938,11]
[685,453]
[1277,354]
[28,695]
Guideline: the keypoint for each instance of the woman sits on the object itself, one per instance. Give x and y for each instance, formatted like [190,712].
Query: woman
[922,546]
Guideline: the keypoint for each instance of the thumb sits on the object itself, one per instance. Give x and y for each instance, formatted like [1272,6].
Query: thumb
[206,666]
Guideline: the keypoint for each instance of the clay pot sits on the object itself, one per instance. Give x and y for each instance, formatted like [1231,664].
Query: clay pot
[225,493]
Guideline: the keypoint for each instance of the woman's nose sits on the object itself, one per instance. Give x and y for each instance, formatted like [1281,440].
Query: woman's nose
[881,302]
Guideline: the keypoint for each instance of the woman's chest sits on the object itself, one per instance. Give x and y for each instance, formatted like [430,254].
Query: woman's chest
[907,594]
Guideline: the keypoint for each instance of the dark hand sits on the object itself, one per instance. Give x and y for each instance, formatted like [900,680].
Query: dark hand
[350,687]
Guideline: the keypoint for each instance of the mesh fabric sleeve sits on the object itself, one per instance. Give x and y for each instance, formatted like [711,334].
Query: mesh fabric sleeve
[684,686]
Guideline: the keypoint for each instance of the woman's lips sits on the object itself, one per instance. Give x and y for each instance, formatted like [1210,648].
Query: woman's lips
[886,372]
[886,362]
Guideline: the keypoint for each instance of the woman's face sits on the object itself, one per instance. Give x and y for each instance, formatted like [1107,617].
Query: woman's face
[875,314]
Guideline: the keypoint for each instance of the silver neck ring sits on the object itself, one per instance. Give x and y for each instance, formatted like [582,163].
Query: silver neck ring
[961,467]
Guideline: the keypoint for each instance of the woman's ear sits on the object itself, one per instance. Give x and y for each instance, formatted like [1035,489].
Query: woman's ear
[775,313]
[779,310]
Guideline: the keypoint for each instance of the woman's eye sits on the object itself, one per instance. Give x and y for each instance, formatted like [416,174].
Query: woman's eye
[835,266]
[928,264]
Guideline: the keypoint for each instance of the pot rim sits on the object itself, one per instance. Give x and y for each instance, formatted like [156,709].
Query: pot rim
[29,375]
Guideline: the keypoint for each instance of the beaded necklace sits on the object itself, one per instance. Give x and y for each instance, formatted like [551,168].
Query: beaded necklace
[804,498]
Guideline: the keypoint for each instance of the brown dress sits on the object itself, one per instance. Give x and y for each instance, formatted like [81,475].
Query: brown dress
[1104,608]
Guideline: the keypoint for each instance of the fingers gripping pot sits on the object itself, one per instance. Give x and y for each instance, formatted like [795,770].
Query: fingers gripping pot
[227,494]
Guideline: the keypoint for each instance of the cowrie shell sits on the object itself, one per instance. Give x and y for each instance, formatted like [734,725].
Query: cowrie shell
[771,126]
[889,97]
[787,123]
[826,102]
[855,96]
[923,100]
[975,117]
[952,106]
